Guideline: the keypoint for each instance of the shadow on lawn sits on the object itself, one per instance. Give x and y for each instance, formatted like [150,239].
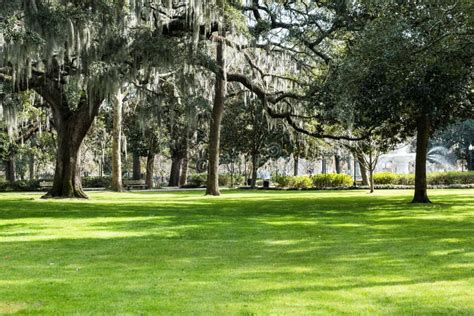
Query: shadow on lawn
[306,244]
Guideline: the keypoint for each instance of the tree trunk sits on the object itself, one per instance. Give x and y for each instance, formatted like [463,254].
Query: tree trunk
[67,175]
[184,172]
[253,183]
[32,167]
[323,166]
[117,184]
[363,170]
[10,168]
[150,164]
[137,172]
[295,165]
[422,138]
[371,180]
[215,128]
[71,126]
[174,172]
[337,163]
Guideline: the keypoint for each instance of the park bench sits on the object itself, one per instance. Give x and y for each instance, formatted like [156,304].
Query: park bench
[46,185]
[131,184]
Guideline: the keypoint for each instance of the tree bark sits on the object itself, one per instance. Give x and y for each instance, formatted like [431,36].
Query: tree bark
[215,128]
[323,166]
[10,168]
[184,172]
[150,166]
[117,184]
[337,163]
[253,182]
[32,167]
[363,170]
[295,165]
[71,130]
[371,180]
[174,172]
[71,126]
[136,172]
[422,137]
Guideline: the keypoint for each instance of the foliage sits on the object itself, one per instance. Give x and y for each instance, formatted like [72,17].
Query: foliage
[300,182]
[332,180]
[96,182]
[328,180]
[20,186]
[457,137]
[438,178]
[402,69]
[281,181]
[199,179]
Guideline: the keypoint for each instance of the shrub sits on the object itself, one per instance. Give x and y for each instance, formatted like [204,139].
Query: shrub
[331,180]
[281,181]
[451,177]
[96,182]
[197,179]
[200,179]
[385,178]
[438,178]
[300,182]
[21,186]
[406,179]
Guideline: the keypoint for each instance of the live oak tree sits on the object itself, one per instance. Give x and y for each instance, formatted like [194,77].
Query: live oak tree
[76,53]
[411,70]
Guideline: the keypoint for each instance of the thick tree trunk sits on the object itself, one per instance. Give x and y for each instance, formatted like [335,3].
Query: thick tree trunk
[117,184]
[10,168]
[215,129]
[67,175]
[295,165]
[184,171]
[175,169]
[337,163]
[363,170]
[32,167]
[150,166]
[72,125]
[137,170]
[422,138]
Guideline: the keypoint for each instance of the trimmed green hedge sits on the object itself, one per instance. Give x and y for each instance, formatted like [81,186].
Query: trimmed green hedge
[301,182]
[317,181]
[199,179]
[438,178]
[332,180]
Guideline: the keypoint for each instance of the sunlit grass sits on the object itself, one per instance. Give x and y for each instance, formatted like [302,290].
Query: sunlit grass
[242,253]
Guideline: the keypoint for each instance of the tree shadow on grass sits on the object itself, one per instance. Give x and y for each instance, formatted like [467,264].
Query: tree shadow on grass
[255,249]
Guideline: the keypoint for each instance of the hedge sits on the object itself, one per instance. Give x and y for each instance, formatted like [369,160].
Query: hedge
[34,185]
[438,178]
[316,181]
[199,180]
[332,180]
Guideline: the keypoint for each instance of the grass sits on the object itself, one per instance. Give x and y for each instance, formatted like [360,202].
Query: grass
[243,253]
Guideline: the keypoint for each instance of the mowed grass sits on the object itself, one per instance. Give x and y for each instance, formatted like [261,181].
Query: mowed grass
[244,253]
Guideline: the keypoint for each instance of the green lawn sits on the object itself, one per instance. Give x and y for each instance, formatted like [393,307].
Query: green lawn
[243,253]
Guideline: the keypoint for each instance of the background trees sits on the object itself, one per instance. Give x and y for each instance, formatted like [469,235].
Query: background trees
[350,71]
